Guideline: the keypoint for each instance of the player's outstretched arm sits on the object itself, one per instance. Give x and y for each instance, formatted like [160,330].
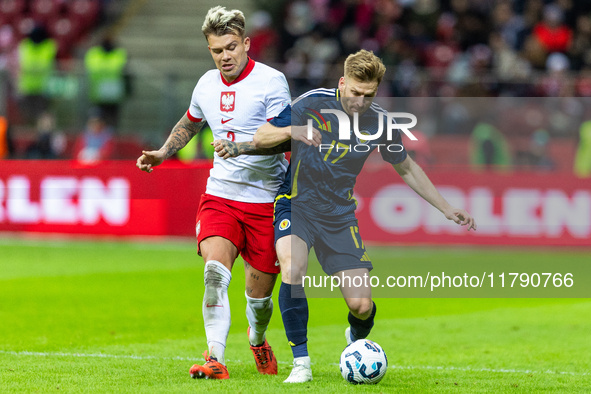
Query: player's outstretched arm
[416,178]
[179,137]
[268,136]
[268,140]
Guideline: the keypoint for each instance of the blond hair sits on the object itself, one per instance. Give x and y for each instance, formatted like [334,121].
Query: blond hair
[220,21]
[364,66]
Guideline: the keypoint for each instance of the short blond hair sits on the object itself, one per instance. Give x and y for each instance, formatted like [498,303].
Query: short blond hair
[364,66]
[220,21]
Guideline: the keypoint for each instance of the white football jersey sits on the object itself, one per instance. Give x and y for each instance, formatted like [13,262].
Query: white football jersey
[235,111]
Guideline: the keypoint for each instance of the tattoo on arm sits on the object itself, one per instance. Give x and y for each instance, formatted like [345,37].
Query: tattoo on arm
[248,148]
[181,134]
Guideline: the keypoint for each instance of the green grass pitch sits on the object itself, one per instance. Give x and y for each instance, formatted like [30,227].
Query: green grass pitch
[112,317]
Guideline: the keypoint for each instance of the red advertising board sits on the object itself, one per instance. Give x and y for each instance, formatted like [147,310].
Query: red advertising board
[510,209]
[115,198]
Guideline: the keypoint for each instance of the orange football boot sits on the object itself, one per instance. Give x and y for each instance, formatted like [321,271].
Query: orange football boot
[212,369]
[264,358]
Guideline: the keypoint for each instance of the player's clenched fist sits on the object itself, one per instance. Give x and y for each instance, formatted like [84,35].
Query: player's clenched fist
[149,159]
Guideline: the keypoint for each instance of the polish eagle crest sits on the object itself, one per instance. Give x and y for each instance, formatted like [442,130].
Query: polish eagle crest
[227,103]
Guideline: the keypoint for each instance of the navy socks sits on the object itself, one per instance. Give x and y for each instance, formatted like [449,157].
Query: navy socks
[294,312]
[360,329]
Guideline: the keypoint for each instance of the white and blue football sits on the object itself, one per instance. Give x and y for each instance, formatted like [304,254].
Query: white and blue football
[363,362]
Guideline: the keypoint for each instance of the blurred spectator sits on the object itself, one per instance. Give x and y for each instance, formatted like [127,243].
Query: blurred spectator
[440,54]
[509,25]
[105,66]
[583,83]
[551,32]
[6,146]
[297,23]
[469,71]
[507,64]
[96,144]
[537,156]
[50,143]
[6,44]
[582,165]
[488,147]
[199,147]
[472,26]
[418,150]
[556,82]
[580,51]
[36,56]
[438,48]
[263,38]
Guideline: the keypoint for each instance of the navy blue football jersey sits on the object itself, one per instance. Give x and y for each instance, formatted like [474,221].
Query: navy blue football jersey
[320,180]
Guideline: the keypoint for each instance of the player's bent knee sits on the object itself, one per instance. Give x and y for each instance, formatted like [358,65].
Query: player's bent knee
[361,307]
[216,274]
[292,274]
[286,276]
[219,249]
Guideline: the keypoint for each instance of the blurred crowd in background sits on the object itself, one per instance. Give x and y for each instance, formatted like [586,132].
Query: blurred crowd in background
[37,38]
[445,48]
[431,48]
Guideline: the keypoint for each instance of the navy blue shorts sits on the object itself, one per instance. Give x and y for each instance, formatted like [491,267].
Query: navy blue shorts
[338,246]
[282,217]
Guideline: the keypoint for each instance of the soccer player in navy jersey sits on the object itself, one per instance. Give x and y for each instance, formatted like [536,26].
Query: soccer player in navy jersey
[315,205]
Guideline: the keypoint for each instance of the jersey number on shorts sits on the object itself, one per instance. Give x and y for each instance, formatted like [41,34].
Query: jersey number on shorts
[359,244]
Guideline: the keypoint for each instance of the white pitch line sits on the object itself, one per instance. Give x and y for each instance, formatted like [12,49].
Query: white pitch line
[103,355]
[498,370]
[427,367]
[97,355]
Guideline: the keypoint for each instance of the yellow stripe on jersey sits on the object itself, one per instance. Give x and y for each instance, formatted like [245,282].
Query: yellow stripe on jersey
[352,198]
[294,187]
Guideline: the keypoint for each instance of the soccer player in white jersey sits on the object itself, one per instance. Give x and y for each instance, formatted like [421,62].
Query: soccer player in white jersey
[235,214]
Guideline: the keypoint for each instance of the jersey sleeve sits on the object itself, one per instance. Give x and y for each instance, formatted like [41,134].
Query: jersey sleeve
[290,116]
[194,112]
[283,119]
[277,96]
[398,154]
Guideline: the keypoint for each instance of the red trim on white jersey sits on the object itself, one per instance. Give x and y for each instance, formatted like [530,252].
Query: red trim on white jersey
[192,118]
[243,74]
